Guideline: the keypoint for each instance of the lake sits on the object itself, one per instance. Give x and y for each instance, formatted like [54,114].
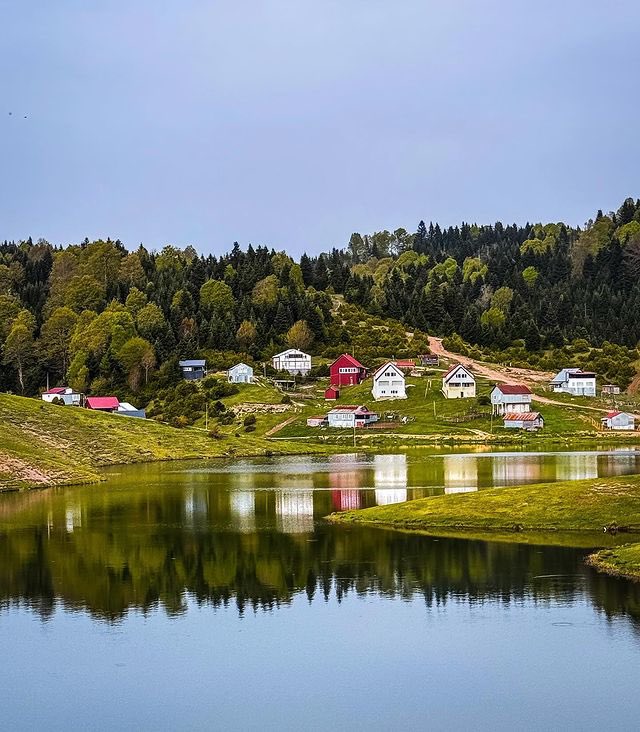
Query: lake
[212,595]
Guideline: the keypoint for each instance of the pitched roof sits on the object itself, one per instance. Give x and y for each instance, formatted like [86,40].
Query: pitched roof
[353,361]
[292,350]
[454,368]
[56,390]
[405,363]
[611,415]
[385,366]
[97,402]
[246,366]
[521,416]
[513,388]
[193,362]
[351,408]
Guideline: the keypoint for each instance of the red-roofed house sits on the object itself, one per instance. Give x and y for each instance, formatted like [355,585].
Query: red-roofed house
[351,416]
[523,420]
[510,398]
[66,393]
[619,421]
[347,371]
[103,404]
[405,364]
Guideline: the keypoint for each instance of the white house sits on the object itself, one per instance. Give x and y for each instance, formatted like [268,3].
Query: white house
[292,360]
[351,417]
[510,398]
[458,383]
[619,421]
[67,394]
[241,373]
[574,381]
[388,382]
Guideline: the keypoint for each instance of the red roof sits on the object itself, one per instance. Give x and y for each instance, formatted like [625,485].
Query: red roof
[514,388]
[405,364]
[521,416]
[109,402]
[350,359]
[56,390]
[611,415]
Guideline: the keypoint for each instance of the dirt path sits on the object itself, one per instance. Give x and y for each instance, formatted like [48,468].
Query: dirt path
[280,426]
[509,375]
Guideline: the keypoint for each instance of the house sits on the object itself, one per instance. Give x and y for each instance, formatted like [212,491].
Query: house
[192,369]
[332,393]
[523,420]
[510,398]
[458,383]
[429,359]
[574,381]
[67,394]
[319,421]
[610,389]
[407,365]
[346,371]
[351,416]
[619,421]
[103,404]
[292,360]
[240,374]
[388,382]
[125,409]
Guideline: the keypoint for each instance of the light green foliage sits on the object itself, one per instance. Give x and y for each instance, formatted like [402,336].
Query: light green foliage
[19,345]
[502,299]
[137,357]
[9,308]
[246,335]
[84,292]
[131,271]
[78,373]
[473,268]
[170,259]
[629,233]
[136,300]
[591,240]
[299,336]
[530,276]
[265,293]
[150,321]
[493,317]
[217,297]
[279,261]
[446,269]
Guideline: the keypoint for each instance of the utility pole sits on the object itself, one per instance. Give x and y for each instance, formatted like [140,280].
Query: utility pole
[206,416]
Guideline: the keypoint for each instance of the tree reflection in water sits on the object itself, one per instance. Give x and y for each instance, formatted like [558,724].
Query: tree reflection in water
[139,547]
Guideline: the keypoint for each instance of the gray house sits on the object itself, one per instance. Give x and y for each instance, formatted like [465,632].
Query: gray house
[193,369]
[241,373]
[619,421]
[523,420]
[510,398]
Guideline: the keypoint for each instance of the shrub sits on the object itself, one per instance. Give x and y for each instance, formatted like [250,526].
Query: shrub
[249,420]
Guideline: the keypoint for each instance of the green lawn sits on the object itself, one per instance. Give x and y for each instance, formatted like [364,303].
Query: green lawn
[44,444]
[622,561]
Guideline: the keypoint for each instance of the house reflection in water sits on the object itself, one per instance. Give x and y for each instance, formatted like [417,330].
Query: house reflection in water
[73,517]
[577,466]
[390,478]
[243,511]
[294,508]
[196,505]
[345,483]
[517,470]
[460,473]
[621,462]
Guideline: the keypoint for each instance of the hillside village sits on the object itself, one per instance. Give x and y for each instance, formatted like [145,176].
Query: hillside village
[301,396]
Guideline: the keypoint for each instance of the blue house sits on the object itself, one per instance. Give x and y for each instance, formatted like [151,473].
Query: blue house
[193,369]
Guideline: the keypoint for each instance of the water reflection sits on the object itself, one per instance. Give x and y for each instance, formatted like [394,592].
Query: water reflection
[460,473]
[390,479]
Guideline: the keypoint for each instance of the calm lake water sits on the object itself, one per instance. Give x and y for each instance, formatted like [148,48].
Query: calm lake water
[212,595]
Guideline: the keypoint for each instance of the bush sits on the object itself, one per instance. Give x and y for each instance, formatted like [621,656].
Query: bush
[249,420]
[286,399]
[484,400]
[250,428]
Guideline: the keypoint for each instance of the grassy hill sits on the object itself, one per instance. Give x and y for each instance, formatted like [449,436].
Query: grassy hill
[46,445]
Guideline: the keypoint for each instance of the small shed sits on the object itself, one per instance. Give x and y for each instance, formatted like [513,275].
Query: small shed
[192,369]
[610,389]
[103,403]
[332,393]
[126,409]
[619,421]
[241,373]
[523,420]
[429,359]
[316,421]
[407,365]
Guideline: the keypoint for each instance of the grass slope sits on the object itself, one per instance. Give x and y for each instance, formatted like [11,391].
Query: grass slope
[585,505]
[44,445]
[622,561]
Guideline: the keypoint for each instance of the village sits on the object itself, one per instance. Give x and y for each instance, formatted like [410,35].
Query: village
[420,396]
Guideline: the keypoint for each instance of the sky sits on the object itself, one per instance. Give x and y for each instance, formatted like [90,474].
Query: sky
[293,123]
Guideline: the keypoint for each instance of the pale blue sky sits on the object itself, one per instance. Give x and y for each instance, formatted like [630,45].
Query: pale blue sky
[294,123]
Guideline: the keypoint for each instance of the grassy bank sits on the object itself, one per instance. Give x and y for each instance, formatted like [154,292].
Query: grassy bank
[622,561]
[46,445]
[584,505]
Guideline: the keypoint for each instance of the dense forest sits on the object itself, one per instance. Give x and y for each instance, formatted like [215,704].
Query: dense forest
[109,320]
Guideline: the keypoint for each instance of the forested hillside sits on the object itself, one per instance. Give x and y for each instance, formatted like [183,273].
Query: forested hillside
[108,320]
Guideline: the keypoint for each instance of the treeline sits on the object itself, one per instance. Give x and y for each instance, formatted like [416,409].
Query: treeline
[105,319]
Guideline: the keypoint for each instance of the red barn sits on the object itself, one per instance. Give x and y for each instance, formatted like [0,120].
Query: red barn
[347,371]
[103,404]
[332,393]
